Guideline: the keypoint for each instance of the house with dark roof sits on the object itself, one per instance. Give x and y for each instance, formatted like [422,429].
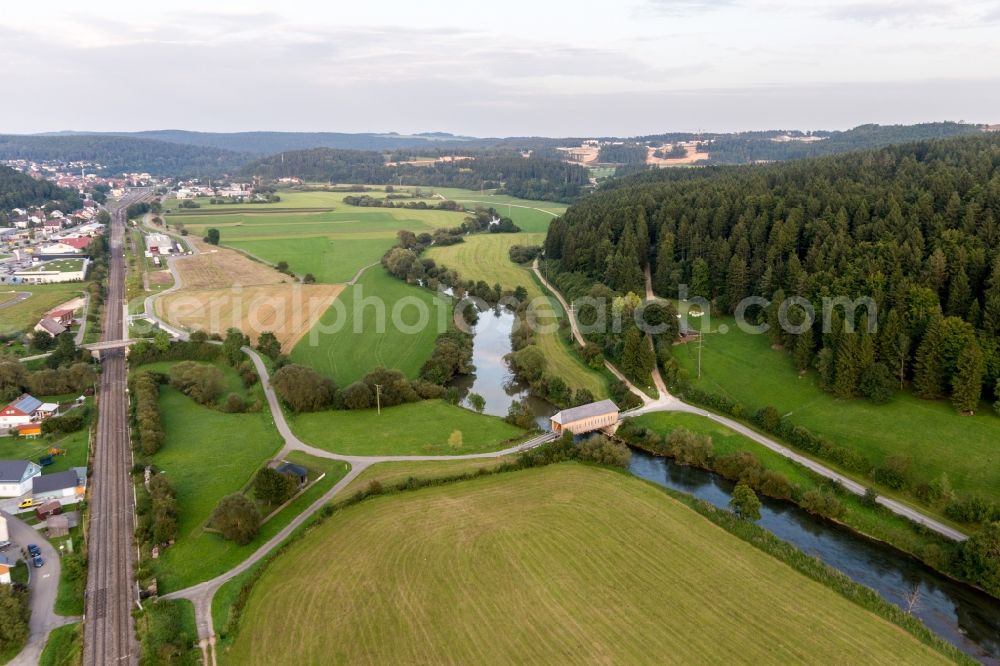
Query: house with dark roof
[50,326]
[16,476]
[19,412]
[586,418]
[298,471]
[59,486]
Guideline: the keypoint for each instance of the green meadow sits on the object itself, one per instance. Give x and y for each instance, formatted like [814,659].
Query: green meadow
[936,439]
[363,334]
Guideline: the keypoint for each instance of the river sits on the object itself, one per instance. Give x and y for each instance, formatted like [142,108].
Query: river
[958,613]
[961,615]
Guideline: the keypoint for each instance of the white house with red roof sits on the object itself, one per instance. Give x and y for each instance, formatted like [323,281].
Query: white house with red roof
[19,412]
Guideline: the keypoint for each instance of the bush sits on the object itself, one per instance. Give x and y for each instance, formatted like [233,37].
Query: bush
[688,448]
[358,396]
[68,422]
[303,389]
[199,381]
[817,502]
[236,518]
[971,510]
[272,487]
[741,466]
[603,451]
[745,502]
[893,472]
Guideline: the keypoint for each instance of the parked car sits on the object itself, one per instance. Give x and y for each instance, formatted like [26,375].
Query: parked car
[34,550]
[37,561]
[26,503]
[4,545]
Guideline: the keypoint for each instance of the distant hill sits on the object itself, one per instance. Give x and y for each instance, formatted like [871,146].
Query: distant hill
[748,147]
[545,179]
[119,153]
[18,190]
[266,143]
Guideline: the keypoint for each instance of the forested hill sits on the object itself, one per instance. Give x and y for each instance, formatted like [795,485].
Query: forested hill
[18,190]
[916,227]
[545,179]
[120,154]
[749,147]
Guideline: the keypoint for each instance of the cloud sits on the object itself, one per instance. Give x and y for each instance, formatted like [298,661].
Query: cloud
[894,12]
[686,7]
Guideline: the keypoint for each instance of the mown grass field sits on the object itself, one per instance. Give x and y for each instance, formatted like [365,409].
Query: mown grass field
[206,455]
[390,473]
[416,428]
[565,564]
[328,259]
[936,438]
[44,297]
[486,257]
[359,332]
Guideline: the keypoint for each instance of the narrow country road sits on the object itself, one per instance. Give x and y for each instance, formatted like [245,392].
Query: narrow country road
[44,586]
[201,595]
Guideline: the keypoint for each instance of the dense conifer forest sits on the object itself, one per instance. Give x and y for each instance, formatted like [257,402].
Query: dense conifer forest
[916,227]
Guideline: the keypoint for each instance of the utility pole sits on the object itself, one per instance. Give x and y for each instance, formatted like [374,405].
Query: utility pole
[378,397]
[701,338]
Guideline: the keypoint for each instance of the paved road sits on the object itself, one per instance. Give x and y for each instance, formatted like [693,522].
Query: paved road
[669,403]
[44,585]
[109,634]
[18,297]
[646,400]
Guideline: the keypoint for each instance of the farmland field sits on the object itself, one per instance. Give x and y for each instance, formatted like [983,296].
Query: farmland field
[287,310]
[938,440]
[349,341]
[328,259]
[565,564]
[316,232]
[416,428]
[44,297]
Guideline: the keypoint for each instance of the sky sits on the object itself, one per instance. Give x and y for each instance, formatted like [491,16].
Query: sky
[512,68]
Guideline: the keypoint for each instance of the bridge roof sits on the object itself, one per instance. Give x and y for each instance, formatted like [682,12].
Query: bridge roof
[584,412]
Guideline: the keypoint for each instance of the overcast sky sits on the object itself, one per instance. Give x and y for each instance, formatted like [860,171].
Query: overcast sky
[504,68]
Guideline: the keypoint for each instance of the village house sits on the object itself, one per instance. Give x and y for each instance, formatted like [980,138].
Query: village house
[19,412]
[63,486]
[16,477]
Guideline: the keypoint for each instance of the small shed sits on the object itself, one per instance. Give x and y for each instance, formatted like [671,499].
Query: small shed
[29,430]
[60,525]
[50,508]
[586,418]
[298,471]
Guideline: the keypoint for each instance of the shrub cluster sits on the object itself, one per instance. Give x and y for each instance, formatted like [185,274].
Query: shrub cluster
[147,431]
[156,510]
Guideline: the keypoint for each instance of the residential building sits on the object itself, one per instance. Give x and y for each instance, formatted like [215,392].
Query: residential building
[19,412]
[63,486]
[50,326]
[586,418]
[16,479]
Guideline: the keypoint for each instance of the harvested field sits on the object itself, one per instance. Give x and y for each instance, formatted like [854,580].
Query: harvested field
[217,268]
[287,310]
[160,277]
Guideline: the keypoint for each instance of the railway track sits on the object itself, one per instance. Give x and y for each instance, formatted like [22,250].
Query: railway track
[109,635]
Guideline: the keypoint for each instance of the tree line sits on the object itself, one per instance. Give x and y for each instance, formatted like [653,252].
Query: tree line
[508,173]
